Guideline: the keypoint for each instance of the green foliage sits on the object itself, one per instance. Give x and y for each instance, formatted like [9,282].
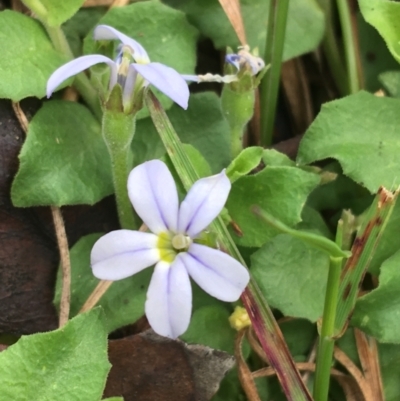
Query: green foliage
[280,191]
[305,27]
[202,126]
[360,132]
[123,303]
[244,163]
[155,26]
[64,160]
[377,312]
[384,15]
[391,82]
[210,326]
[67,364]
[27,57]
[60,11]
[292,275]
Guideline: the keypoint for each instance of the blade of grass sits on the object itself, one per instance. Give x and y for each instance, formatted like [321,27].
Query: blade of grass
[273,56]
[363,250]
[264,323]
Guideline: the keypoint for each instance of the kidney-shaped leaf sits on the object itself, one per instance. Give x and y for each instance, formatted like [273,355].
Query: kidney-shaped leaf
[361,131]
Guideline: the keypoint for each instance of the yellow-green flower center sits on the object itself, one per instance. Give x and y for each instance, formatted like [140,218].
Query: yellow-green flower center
[169,245]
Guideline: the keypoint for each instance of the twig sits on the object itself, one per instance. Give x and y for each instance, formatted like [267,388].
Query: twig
[62,242]
[61,235]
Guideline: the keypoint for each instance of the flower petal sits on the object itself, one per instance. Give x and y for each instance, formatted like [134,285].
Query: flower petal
[153,194]
[215,272]
[123,253]
[129,84]
[203,203]
[169,299]
[190,78]
[105,32]
[75,67]
[167,80]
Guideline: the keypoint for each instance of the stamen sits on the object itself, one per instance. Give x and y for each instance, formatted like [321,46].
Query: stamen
[181,241]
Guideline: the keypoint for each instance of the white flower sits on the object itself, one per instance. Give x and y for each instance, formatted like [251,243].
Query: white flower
[171,246]
[131,75]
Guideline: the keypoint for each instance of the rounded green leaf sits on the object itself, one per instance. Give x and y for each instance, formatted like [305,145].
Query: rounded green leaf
[360,131]
[27,57]
[281,191]
[64,160]
[67,364]
[305,24]
[292,275]
[384,16]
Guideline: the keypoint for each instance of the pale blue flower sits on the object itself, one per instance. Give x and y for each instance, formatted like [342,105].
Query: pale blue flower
[171,246]
[140,73]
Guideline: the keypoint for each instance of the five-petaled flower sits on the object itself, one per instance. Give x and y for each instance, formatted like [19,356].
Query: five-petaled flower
[132,69]
[171,246]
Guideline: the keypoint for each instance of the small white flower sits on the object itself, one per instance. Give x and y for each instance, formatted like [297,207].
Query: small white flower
[140,72]
[171,246]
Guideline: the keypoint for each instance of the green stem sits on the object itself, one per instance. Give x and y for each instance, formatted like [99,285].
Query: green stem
[81,82]
[349,46]
[331,50]
[118,131]
[273,56]
[327,335]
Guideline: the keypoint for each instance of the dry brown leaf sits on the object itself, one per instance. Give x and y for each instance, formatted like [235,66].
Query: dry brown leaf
[148,367]
[369,358]
[245,375]
[232,11]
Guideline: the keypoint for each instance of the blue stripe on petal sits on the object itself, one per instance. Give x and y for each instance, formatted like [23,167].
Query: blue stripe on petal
[169,299]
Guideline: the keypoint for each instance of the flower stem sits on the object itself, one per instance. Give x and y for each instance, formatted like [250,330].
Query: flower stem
[273,56]
[327,334]
[118,130]
[349,46]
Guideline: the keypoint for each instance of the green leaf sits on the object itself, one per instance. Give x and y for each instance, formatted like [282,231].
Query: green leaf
[363,138]
[374,55]
[64,160]
[384,16]
[292,275]
[67,364]
[391,82]
[79,26]
[210,326]
[201,126]
[272,157]
[299,335]
[377,313]
[123,303]
[155,26]
[247,160]
[60,11]
[313,222]
[305,24]
[280,191]
[27,57]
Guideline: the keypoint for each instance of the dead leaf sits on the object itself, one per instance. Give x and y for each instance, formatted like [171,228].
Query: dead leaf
[148,367]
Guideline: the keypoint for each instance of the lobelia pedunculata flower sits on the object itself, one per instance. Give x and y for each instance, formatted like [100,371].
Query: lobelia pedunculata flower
[132,69]
[172,246]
